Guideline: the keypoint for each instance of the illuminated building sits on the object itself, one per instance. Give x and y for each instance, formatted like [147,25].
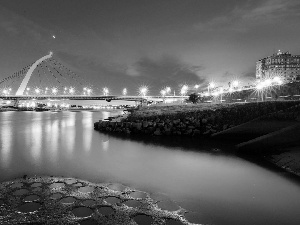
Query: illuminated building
[281,64]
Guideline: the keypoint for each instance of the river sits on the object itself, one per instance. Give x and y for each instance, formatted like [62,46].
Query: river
[206,179]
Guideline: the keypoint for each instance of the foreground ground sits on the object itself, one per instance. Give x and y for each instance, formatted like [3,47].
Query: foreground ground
[53,200]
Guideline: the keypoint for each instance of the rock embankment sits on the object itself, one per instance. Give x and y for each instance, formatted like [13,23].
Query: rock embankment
[196,122]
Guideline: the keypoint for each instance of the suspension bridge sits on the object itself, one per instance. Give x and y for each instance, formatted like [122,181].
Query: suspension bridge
[49,79]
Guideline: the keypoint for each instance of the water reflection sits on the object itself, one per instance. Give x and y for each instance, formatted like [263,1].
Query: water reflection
[69,135]
[53,137]
[218,187]
[87,124]
[36,139]
[6,139]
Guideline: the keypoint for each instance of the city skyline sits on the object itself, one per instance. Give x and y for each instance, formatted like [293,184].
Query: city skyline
[154,43]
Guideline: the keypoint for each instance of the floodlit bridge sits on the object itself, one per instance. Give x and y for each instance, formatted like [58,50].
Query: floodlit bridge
[48,79]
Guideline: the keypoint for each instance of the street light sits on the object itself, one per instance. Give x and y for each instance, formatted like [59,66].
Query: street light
[89,91]
[210,86]
[163,93]
[105,91]
[235,83]
[184,90]
[71,90]
[54,91]
[124,92]
[168,90]
[143,90]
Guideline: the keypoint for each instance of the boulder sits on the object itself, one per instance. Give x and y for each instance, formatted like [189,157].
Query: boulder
[157,132]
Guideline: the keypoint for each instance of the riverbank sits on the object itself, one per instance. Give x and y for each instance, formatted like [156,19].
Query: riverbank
[194,120]
[255,124]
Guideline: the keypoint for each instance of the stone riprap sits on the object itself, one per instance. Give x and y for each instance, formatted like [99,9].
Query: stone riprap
[203,120]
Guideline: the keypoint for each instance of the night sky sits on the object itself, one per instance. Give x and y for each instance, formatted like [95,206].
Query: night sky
[152,42]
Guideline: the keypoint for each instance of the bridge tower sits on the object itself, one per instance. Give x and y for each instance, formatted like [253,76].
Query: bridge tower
[24,83]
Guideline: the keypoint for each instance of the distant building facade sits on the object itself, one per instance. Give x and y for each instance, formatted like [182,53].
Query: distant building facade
[281,64]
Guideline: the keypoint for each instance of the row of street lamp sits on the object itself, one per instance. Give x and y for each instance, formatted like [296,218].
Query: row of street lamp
[212,89]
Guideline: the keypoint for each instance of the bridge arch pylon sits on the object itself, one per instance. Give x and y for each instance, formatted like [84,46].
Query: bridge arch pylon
[25,81]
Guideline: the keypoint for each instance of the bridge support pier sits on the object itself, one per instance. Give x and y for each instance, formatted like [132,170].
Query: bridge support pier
[16,103]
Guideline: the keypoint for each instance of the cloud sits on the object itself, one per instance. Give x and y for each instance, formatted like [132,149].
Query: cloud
[168,71]
[17,25]
[243,18]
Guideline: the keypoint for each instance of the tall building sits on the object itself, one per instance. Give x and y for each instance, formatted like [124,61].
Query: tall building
[281,64]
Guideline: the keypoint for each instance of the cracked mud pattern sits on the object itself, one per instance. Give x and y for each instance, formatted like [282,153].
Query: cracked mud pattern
[55,200]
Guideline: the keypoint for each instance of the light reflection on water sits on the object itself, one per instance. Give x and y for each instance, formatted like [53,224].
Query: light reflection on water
[219,188]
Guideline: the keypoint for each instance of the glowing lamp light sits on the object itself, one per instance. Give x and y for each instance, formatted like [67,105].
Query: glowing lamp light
[37,90]
[259,86]
[277,80]
[268,82]
[143,90]
[235,83]
[124,92]
[27,89]
[105,91]
[211,84]
[54,90]
[71,90]
[163,92]
[168,89]
[4,92]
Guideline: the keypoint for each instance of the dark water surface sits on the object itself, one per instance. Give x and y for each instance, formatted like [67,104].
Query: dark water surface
[214,186]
